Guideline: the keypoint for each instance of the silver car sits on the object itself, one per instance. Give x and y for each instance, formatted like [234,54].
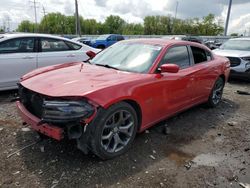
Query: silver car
[21,53]
[238,52]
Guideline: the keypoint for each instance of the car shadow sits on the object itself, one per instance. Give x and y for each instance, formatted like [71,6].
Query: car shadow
[62,162]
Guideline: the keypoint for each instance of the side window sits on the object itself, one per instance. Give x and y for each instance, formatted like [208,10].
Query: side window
[199,55]
[73,46]
[113,38]
[19,45]
[53,45]
[119,38]
[177,55]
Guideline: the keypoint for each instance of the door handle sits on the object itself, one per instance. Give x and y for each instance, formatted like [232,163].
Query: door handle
[71,55]
[28,57]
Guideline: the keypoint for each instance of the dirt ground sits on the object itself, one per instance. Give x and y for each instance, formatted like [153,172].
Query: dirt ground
[203,148]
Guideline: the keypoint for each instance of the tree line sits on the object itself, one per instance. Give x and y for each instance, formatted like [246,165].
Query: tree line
[57,23]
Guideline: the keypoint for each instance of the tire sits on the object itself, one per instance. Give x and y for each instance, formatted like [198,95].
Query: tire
[216,93]
[115,130]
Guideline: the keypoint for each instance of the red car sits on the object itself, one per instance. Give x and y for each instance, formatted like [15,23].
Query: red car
[125,89]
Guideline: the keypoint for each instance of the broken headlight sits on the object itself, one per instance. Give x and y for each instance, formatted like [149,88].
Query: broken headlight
[66,111]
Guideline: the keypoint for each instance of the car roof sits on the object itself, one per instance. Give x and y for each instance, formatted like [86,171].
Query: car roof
[16,35]
[164,42]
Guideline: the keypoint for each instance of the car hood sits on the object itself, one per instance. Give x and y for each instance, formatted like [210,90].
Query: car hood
[232,53]
[76,81]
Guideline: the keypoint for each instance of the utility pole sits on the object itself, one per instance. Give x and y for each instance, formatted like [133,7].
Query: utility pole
[78,28]
[8,21]
[176,10]
[228,17]
[35,7]
[44,16]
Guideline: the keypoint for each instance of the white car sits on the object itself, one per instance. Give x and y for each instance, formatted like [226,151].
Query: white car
[238,52]
[21,53]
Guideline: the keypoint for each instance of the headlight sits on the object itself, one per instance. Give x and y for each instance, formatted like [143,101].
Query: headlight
[66,111]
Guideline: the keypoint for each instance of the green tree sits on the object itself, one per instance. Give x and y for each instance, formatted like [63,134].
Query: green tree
[26,26]
[114,24]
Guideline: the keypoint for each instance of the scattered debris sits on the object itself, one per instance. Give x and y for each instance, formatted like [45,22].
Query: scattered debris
[146,141]
[244,185]
[152,157]
[147,131]
[1,128]
[162,184]
[15,173]
[246,149]
[188,165]
[146,172]
[160,169]
[42,149]
[232,123]
[154,152]
[243,92]
[166,129]
[26,129]
[16,152]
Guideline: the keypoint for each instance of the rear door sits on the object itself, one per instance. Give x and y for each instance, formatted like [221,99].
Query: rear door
[205,73]
[17,57]
[56,51]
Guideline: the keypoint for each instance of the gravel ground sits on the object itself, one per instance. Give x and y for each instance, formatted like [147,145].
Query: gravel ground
[203,148]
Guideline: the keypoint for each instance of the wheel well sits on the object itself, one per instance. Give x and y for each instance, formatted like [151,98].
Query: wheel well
[137,108]
[102,46]
[223,77]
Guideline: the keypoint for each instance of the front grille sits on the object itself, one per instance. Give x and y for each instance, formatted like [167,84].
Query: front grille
[234,61]
[31,100]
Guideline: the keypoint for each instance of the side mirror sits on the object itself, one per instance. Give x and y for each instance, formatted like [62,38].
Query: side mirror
[170,68]
[91,54]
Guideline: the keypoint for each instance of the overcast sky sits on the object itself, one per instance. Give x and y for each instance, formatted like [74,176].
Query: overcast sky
[129,10]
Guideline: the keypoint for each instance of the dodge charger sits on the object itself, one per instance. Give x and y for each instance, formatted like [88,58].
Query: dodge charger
[104,102]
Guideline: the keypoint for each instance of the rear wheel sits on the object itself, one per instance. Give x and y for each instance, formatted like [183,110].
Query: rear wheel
[115,131]
[216,93]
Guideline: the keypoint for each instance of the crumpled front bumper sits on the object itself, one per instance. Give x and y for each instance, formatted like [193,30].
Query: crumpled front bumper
[44,128]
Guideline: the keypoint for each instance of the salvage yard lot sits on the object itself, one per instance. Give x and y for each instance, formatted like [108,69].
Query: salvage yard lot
[203,148]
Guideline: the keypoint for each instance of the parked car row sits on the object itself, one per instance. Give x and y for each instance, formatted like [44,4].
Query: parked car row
[102,42]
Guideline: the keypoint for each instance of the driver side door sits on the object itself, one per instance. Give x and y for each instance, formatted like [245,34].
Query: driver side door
[177,87]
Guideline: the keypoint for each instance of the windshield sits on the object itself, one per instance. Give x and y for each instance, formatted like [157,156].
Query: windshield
[128,56]
[102,37]
[236,45]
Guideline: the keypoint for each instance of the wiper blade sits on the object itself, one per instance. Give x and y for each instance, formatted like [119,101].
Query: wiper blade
[107,66]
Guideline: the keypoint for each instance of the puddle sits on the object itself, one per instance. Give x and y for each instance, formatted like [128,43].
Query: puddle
[179,157]
[209,159]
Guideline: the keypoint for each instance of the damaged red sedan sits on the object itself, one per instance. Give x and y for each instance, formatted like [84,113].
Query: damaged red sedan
[125,89]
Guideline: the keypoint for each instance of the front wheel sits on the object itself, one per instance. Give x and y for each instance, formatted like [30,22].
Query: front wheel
[115,131]
[216,93]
